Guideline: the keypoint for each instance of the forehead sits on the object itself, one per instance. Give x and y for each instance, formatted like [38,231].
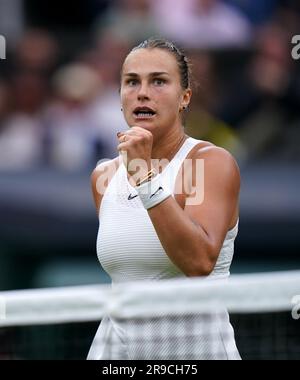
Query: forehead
[145,61]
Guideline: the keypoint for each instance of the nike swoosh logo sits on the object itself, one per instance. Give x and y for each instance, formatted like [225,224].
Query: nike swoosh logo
[158,190]
[130,198]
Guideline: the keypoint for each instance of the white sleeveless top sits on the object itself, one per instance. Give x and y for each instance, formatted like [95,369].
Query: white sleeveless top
[128,247]
[129,250]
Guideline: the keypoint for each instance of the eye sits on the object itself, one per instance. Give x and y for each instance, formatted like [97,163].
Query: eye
[159,82]
[131,82]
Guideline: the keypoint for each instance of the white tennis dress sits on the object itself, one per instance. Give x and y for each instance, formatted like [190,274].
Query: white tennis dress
[129,250]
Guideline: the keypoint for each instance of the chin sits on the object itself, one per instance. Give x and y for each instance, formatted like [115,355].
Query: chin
[144,124]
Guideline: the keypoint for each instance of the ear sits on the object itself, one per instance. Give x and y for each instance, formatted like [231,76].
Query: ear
[186,98]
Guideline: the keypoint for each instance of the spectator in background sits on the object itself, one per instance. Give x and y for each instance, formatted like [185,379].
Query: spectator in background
[202,23]
[131,20]
[4,101]
[201,123]
[87,115]
[258,12]
[36,51]
[21,132]
[70,122]
[261,102]
[106,58]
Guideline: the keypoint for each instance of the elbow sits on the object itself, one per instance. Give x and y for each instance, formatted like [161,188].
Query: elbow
[204,264]
[201,271]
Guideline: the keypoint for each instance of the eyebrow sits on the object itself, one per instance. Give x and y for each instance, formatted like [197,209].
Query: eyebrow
[155,74]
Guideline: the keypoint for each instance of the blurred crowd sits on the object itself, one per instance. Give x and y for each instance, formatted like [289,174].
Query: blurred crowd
[59,100]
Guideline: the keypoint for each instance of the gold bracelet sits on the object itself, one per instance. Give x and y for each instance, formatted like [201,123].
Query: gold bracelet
[147,178]
[152,173]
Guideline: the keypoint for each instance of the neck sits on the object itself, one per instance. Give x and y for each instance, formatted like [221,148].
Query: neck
[166,146]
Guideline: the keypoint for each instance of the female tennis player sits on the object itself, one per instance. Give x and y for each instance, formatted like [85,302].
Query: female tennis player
[169,209]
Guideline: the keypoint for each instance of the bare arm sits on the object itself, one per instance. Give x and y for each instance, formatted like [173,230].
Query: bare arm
[193,237]
[96,196]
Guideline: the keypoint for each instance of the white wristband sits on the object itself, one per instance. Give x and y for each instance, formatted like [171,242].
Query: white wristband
[153,192]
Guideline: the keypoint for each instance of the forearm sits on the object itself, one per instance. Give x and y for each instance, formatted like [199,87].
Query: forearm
[186,243]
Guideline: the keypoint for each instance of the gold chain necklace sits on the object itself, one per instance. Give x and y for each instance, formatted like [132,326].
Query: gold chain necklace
[178,146]
[160,168]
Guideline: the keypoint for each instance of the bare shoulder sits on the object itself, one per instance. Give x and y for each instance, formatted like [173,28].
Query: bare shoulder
[217,157]
[101,177]
[222,181]
[220,165]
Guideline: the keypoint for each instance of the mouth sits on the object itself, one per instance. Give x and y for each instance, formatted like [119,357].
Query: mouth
[144,113]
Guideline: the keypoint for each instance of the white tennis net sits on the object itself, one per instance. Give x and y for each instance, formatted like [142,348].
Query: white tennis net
[162,320]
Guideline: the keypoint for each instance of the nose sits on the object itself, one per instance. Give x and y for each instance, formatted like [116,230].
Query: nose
[143,92]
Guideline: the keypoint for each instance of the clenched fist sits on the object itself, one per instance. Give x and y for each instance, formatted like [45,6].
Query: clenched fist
[135,146]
